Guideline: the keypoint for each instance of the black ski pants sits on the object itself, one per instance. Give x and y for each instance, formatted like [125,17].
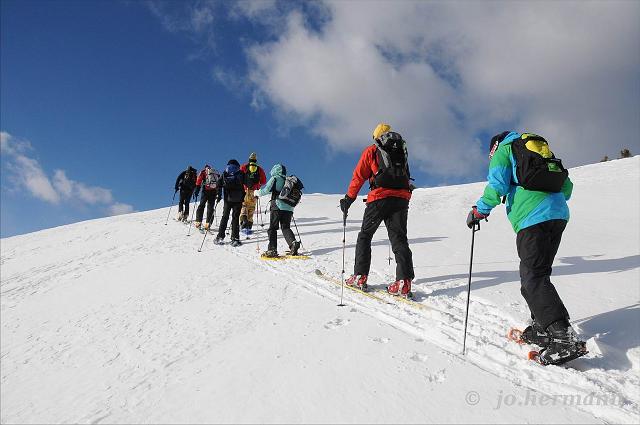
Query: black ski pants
[208,198]
[394,213]
[280,219]
[185,200]
[537,247]
[232,208]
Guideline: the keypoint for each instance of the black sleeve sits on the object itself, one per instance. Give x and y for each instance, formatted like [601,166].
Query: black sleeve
[179,179]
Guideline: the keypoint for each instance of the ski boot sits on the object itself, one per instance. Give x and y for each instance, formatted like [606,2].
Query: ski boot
[401,288]
[359,281]
[533,334]
[295,246]
[206,226]
[564,345]
[218,241]
[180,216]
[270,253]
[235,242]
[197,225]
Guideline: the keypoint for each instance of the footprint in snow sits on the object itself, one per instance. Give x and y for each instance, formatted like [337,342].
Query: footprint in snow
[419,357]
[437,378]
[383,340]
[336,323]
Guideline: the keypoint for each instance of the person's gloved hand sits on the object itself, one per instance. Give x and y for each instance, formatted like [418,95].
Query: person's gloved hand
[474,217]
[345,203]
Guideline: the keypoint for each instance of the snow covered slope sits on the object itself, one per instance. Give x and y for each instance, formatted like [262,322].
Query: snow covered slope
[122,320]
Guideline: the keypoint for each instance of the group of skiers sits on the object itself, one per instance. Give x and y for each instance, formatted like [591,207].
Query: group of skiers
[523,173]
[240,186]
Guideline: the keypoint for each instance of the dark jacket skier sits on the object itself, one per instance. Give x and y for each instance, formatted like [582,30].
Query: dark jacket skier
[231,182]
[185,183]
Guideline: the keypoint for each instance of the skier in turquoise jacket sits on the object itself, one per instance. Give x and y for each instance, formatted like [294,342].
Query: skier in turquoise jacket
[539,219]
[280,213]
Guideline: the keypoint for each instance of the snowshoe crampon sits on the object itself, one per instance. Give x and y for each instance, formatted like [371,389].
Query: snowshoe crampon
[544,359]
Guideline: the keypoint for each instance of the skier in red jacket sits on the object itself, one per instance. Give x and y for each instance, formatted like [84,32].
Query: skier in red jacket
[384,165]
[254,178]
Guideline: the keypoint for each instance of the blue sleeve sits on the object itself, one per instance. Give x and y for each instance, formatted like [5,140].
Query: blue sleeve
[266,189]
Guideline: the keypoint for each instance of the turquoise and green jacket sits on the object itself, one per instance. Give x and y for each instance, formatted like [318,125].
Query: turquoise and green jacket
[276,183]
[525,208]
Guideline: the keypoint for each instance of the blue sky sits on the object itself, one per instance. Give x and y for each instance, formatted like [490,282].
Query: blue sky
[103,103]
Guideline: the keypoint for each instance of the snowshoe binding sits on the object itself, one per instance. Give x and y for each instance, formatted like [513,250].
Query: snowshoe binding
[532,335]
[295,246]
[270,254]
[400,288]
[563,346]
[358,281]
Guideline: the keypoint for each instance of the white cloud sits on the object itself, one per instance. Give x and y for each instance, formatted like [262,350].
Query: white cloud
[29,173]
[12,146]
[120,208]
[26,172]
[443,72]
[195,19]
[87,194]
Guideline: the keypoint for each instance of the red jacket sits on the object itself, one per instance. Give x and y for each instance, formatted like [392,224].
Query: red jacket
[202,177]
[365,170]
[262,180]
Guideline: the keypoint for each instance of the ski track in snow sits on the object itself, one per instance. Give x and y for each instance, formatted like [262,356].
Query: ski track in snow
[487,345]
[148,333]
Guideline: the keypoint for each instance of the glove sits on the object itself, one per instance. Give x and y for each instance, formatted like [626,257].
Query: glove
[345,203]
[474,217]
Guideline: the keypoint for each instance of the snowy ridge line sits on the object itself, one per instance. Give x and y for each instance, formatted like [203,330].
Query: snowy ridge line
[504,359]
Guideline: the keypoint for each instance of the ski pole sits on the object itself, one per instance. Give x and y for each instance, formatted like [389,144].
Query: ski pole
[474,229]
[203,239]
[192,212]
[344,239]
[299,238]
[256,214]
[173,200]
[215,217]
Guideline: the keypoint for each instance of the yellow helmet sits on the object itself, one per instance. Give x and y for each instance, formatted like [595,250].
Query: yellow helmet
[380,129]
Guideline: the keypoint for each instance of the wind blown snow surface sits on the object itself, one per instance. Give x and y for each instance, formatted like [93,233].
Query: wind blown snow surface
[121,319]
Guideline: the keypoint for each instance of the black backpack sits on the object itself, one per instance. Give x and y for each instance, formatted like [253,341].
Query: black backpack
[291,192]
[252,178]
[536,166]
[189,179]
[393,165]
[232,177]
